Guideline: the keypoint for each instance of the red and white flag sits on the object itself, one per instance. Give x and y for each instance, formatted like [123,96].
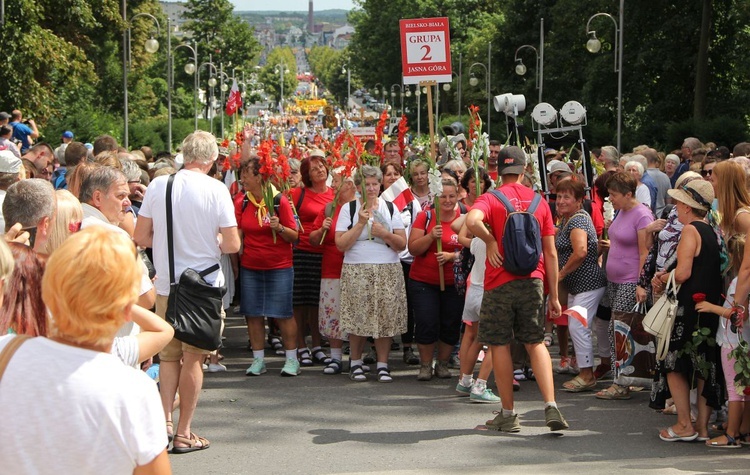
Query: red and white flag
[234,102]
[399,194]
[579,313]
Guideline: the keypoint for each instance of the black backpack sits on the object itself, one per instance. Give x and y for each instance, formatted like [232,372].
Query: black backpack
[276,203]
[522,237]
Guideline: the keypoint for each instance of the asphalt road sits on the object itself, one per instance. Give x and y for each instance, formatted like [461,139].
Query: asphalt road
[319,424]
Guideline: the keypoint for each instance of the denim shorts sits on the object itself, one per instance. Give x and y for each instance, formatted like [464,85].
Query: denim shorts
[267,293]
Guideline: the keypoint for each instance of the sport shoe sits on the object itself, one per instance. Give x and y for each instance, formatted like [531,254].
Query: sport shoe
[257,368]
[425,372]
[441,370]
[504,423]
[409,356]
[291,367]
[486,396]
[563,367]
[454,362]
[205,367]
[216,368]
[555,420]
[463,390]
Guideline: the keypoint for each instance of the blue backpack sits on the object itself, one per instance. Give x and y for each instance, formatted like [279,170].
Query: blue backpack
[522,237]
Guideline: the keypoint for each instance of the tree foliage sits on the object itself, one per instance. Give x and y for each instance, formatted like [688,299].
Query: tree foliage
[270,74]
[661,51]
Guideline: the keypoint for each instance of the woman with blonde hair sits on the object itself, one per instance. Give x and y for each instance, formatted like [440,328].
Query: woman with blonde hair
[6,266]
[67,220]
[87,303]
[730,186]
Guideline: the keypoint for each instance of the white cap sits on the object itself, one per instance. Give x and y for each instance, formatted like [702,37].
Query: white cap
[557,166]
[9,163]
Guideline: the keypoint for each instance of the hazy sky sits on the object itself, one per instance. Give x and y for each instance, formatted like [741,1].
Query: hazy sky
[291,5]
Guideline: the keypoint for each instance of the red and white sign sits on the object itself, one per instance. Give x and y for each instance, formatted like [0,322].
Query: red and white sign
[425,50]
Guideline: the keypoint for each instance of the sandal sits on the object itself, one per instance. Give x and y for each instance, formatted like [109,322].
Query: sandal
[578,385]
[319,357]
[731,442]
[357,374]
[615,392]
[193,443]
[304,358]
[384,375]
[170,431]
[276,345]
[334,367]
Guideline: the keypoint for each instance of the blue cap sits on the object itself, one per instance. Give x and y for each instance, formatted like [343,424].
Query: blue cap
[88,146]
[67,134]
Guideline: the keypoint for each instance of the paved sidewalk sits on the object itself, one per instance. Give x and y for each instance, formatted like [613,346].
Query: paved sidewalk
[316,424]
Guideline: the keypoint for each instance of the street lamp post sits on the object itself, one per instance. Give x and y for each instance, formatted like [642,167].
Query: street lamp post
[400,93]
[190,68]
[348,71]
[151,46]
[593,45]
[473,81]
[211,83]
[281,69]
[521,68]
[224,78]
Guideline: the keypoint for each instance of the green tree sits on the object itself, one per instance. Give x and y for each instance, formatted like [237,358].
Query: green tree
[270,74]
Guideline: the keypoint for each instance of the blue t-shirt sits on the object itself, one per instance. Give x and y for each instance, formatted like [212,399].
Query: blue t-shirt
[21,133]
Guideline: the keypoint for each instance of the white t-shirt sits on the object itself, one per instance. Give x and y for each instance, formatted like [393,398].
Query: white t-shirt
[201,205]
[370,251]
[71,410]
[127,350]
[408,218]
[2,218]
[642,195]
[724,335]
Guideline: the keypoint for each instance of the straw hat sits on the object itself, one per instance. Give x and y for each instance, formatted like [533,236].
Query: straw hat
[698,194]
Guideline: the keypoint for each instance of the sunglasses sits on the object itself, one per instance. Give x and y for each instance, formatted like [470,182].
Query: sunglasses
[705,173]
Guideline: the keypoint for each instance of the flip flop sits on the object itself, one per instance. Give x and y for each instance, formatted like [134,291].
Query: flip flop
[730,444]
[578,385]
[673,437]
[192,442]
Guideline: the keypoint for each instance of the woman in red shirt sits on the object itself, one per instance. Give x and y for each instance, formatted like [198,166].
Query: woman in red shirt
[437,313]
[266,272]
[308,259]
[330,282]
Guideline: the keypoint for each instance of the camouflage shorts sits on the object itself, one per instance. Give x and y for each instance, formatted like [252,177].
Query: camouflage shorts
[513,311]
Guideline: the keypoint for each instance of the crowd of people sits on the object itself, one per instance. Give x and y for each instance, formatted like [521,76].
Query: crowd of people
[402,252]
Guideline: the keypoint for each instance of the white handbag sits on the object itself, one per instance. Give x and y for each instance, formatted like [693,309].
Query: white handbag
[659,321]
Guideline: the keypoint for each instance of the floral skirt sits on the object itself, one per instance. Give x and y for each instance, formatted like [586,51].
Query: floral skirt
[328,310]
[373,300]
[702,362]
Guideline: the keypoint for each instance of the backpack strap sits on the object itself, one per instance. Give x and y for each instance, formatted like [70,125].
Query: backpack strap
[534,203]
[462,208]
[428,218]
[352,212]
[504,200]
[390,207]
[9,350]
[299,200]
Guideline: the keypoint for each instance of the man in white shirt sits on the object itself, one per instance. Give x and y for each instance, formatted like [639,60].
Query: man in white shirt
[10,166]
[104,199]
[204,227]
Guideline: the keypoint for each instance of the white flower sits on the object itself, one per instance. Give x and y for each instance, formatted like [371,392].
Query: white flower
[609,210]
[436,182]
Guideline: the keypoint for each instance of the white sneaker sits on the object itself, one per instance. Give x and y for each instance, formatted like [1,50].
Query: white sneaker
[216,368]
[205,367]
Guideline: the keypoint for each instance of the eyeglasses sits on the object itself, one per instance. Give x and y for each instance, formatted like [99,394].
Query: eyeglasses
[134,182]
[705,173]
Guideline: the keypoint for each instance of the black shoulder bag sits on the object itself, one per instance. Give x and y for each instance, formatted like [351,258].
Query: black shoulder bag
[194,306]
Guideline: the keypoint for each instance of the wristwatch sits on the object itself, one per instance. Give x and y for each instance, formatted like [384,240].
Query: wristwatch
[281,230]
